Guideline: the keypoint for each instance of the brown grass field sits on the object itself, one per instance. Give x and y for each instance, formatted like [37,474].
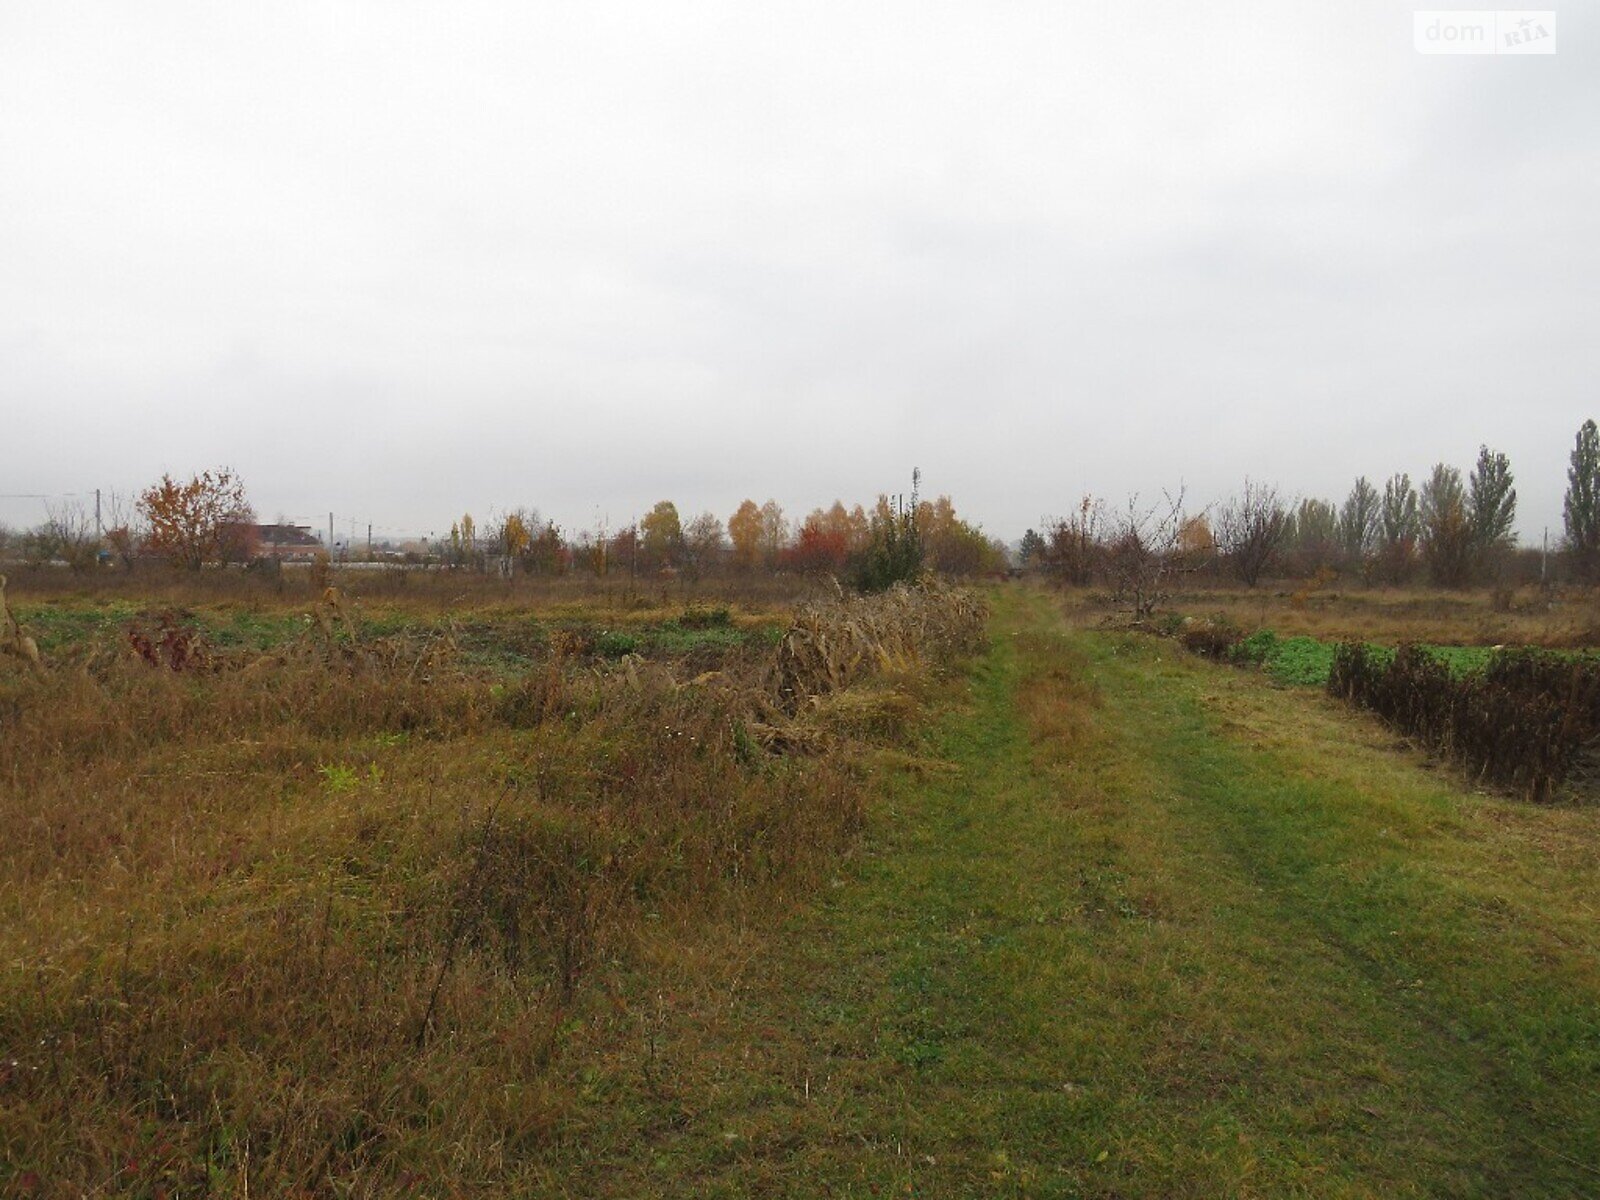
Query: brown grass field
[330,906]
[453,888]
[1559,617]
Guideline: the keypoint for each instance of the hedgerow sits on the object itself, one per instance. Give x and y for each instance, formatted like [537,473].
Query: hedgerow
[1529,721]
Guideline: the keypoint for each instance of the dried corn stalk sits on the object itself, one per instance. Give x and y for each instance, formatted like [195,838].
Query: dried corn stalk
[13,640]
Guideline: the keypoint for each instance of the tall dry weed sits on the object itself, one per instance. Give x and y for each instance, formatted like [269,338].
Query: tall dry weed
[323,919]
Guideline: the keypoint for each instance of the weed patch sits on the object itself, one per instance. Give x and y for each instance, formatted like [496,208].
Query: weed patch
[1528,720]
[334,912]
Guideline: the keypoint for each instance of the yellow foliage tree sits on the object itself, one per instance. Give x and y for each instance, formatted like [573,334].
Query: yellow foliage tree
[662,533]
[516,536]
[744,531]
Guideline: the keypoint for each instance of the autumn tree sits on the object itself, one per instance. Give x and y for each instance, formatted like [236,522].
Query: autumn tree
[1581,507]
[954,546]
[821,545]
[547,552]
[197,522]
[704,541]
[859,528]
[1399,528]
[774,532]
[894,552]
[1196,542]
[967,550]
[661,534]
[935,518]
[588,551]
[1030,551]
[463,548]
[1312,538]
[1491,509]
[622,552]
[1076,545]
[1446,530]
[847,525]
[515,534]
[744,530]
[1358,522]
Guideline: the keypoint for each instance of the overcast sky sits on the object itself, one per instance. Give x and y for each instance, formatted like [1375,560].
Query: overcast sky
[400,260]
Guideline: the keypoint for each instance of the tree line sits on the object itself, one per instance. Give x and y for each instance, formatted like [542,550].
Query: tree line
[1452,530]
[895,539]
[208,520]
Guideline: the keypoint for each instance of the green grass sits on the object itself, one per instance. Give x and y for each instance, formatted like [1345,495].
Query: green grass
[1129,926]
[1303,661]
[506,641]
[54,627]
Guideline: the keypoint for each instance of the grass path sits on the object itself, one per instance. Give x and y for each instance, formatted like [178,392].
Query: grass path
[1135,925]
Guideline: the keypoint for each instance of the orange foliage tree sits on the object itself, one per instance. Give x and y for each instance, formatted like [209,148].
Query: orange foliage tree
[821,545]
[205,520]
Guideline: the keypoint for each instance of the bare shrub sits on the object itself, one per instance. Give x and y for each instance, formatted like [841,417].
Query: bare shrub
[1251,531]
[1142,552]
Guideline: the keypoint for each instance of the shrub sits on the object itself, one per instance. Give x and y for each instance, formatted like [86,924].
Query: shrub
[894,551]
[1528,721]
[1256,648]
[1214,639]
[695,617]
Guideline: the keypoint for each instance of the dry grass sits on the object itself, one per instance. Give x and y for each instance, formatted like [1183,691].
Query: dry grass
[345,917]
[1563,617]
[413,589]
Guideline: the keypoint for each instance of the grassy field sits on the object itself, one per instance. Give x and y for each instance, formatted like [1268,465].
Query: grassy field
[326,907]
[509,623]
[1305,661]
[1557,618]
[1135,925]
[1115,922]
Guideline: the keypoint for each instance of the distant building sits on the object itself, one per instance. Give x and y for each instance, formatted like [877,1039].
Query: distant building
[287,542]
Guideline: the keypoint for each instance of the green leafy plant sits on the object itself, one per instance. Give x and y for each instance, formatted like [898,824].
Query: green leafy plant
[338,777]
[894,552]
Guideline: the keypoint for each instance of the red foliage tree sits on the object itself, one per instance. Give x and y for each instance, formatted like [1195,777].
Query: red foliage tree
[819,547]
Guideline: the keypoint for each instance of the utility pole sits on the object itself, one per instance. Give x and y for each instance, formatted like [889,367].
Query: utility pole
[369,541]
[330,533]
[1544,556]
[99,529]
